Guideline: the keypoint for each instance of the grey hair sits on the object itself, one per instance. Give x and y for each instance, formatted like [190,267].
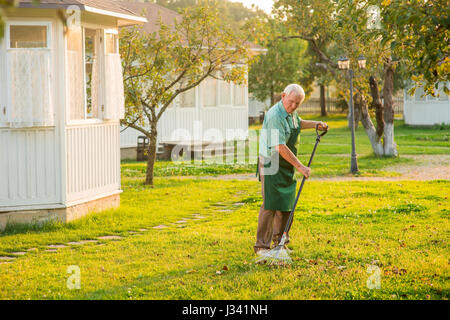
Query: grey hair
[294,88]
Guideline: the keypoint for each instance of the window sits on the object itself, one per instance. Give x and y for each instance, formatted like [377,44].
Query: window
[225,92]
[29,65]
[83,48]
[239,95]
[188,99]
[111,42]
[75,73]
[210,92]
[2,88]
[25,36]
[91,73]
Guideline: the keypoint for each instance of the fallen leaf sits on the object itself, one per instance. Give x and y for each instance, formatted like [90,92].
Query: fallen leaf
[218,272]
[225,268]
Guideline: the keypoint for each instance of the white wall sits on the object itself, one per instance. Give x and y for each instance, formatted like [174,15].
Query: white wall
[426,110]
[176,118]
[93,160]
[255,106]
[29,167]
[31,162]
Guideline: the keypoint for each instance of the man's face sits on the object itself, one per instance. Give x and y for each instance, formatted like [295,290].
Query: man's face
[292,101]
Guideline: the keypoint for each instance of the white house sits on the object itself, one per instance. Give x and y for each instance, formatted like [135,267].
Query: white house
[61,99]
[427,110]
[211,109]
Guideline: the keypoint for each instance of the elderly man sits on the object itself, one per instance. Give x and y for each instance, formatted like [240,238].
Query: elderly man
[277,164]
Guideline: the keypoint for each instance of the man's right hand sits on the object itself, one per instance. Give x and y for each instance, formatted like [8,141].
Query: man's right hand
[305,171]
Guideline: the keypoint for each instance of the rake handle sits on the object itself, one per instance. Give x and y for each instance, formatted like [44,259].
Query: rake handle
[291,215]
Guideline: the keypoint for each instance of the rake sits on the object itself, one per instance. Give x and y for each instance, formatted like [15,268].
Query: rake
[280,254]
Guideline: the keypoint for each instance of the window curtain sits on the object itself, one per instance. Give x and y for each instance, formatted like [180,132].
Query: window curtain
[30,99]
[239,95]
[188,99]
[114,92]
[210,91]
[75,83]
[225,95]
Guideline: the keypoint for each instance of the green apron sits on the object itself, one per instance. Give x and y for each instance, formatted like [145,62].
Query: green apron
[279,189]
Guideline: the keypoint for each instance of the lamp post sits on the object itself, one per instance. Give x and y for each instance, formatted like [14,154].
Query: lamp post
[344,64]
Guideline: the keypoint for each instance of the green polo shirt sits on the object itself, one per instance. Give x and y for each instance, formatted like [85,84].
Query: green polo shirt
[276,129]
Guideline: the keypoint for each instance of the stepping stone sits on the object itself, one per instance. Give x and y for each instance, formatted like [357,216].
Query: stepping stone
[160,227]
[19,253]
[51,250]
[57,246]
[75,243]
[110,238]
[181,221]
[32,249]
[7,258]
[89,241]
[198,217]
[143,230]
[133,232]
[238,204]
[225,210]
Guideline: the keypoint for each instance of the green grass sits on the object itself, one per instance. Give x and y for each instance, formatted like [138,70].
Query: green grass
[332,157]
[340,229]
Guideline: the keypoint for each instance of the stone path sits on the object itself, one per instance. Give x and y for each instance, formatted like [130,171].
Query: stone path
[100,241]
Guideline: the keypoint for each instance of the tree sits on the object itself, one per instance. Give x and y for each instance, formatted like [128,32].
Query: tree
[417,32]
[284,63]
[160,66]
[233,13]
[343,33]
[5,4]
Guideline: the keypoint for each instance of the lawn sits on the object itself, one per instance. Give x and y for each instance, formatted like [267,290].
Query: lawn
[332,158]
[340,230]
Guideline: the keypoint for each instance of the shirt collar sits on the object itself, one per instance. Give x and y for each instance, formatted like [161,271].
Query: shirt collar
[283,111]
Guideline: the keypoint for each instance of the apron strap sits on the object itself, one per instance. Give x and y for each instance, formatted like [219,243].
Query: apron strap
[258,175]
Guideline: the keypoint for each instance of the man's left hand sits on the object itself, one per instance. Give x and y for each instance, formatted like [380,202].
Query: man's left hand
[322,126]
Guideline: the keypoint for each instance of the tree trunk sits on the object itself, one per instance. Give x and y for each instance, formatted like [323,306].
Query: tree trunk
[375,139]
[151,156]
[323,106]
[390,147]
[376,103]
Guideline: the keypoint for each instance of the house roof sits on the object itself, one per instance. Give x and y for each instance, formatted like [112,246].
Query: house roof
[103,7]
[152,12]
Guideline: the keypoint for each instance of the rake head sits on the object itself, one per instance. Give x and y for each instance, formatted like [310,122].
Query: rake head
[277,256]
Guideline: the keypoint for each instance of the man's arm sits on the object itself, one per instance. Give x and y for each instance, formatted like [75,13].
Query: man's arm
[310,124]
[287,154]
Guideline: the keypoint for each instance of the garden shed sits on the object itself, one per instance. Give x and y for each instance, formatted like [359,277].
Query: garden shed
[61,102]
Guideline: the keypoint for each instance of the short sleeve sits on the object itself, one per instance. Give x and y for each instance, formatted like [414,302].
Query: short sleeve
[276,131]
